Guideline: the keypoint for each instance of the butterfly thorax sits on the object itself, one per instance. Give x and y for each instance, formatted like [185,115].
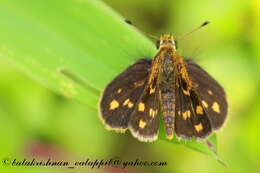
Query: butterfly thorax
[168,59]
[170,66]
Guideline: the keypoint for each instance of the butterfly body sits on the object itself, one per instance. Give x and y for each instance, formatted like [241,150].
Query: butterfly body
[192,103]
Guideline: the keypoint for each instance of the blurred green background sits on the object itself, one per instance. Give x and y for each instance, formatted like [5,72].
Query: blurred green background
[36,122]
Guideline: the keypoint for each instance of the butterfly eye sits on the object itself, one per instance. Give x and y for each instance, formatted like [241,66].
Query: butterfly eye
[157,44]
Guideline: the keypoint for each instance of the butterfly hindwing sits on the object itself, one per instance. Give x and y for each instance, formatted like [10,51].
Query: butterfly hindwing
[144,121]
[190,118]
[120,96]
[210,93]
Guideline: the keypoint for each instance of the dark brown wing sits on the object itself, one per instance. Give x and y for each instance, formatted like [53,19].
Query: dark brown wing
[210,93]
[190,117]
[120,96]
[144,121]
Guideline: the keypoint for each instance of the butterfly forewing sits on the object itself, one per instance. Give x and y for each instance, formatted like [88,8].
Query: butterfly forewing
[211,95]
[120,96]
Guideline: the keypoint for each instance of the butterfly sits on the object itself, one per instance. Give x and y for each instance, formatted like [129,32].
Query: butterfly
[191,102]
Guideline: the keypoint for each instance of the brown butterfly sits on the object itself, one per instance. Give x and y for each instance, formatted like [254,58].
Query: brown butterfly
[192,103]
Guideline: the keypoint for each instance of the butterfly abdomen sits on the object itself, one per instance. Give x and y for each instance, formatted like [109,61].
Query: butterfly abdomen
[168,109]
[167,93]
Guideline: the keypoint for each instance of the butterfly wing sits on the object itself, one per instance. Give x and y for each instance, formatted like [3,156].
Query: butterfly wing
[210,93]
[190,117]
[120,96]
[144,121]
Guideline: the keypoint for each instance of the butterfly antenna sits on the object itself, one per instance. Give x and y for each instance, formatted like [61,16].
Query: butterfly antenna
[201,26]
[149,35]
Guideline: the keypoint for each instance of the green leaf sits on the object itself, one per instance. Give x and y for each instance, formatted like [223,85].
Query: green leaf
[74,48]
[85,37]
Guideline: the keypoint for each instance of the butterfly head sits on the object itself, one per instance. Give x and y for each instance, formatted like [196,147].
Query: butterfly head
[167,41]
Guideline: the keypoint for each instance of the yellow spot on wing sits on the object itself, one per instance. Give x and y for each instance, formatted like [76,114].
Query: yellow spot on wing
[198,127]
[119,90]
[152,90]
[130,105]
[210,92]
[186,92]
[215,107]
[152,112]
[126,102]
[113,105]
[139,83]
[205,104]
[186,115]
[141,107]
[199,110]
[142,124]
